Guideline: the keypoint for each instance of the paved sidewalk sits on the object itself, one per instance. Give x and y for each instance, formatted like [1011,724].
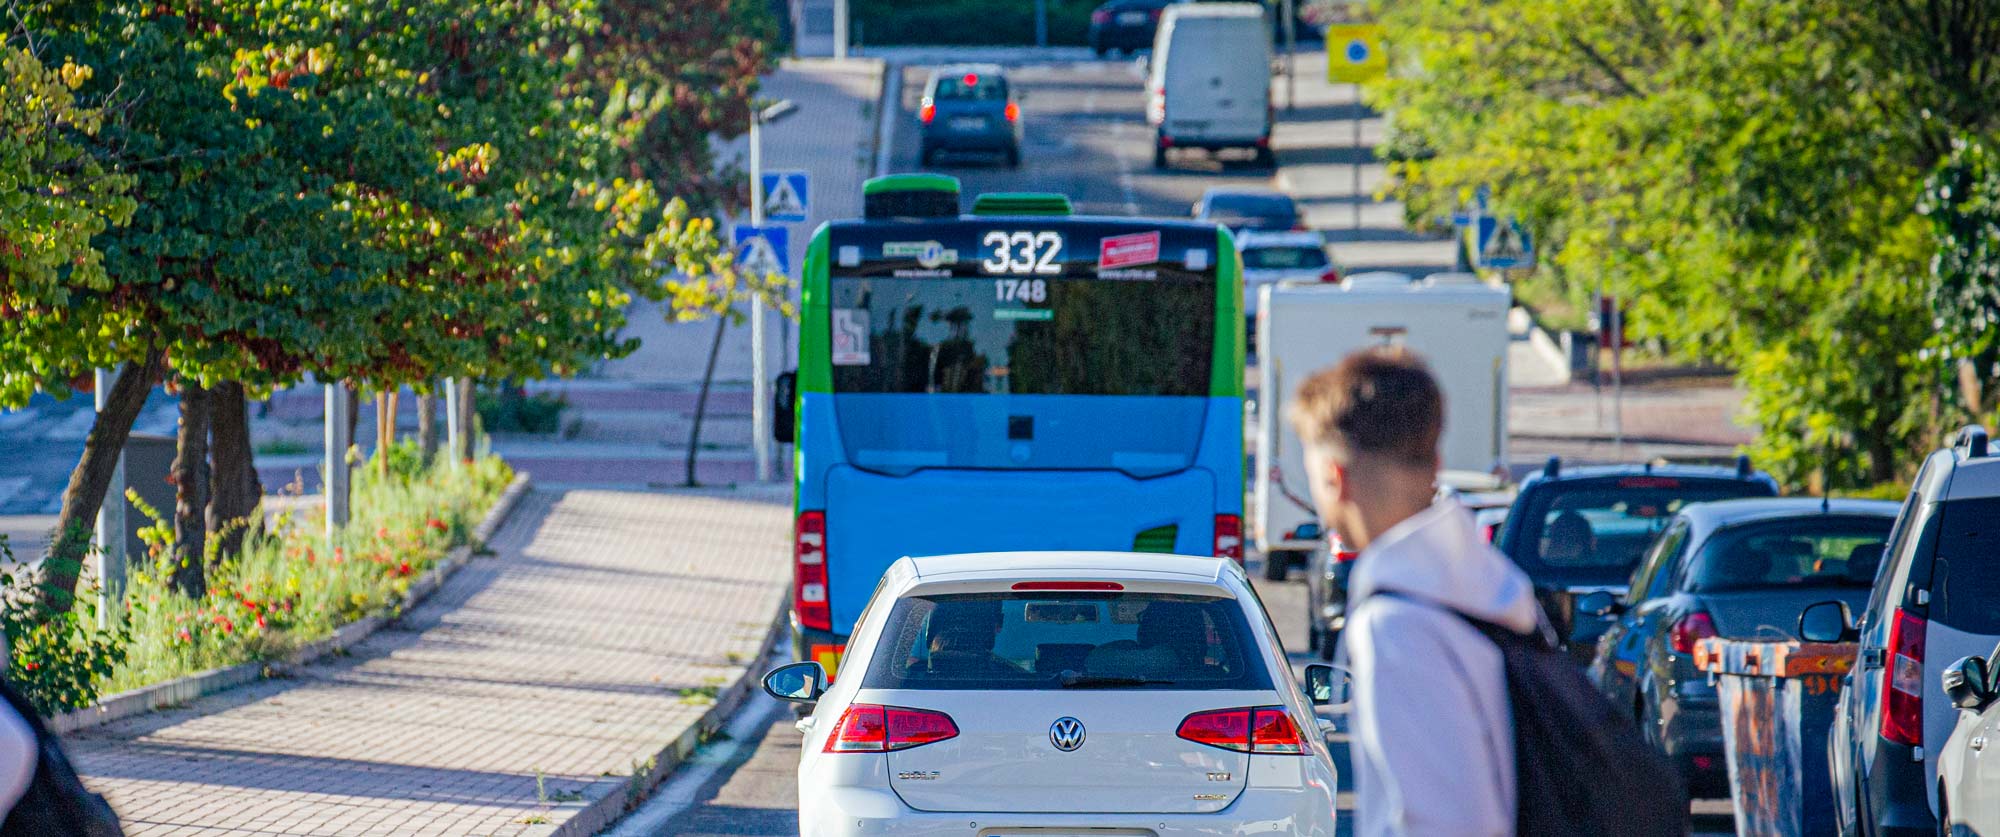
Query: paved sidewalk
[586,645]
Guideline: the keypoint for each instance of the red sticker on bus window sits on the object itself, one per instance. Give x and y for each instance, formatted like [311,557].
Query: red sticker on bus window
[1130,250]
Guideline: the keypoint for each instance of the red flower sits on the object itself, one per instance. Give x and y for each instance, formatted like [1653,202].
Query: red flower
[31,666]
[382,532]
[437,524]
[183,635]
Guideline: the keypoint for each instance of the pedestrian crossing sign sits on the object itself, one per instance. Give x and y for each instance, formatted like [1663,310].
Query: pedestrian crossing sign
[787,196]
[763,251]
[1502,243]
[1354,53]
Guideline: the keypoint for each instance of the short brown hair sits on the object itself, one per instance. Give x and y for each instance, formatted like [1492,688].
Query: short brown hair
[1379,402]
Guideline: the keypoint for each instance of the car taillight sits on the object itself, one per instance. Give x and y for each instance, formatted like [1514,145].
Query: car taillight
[1229,537]
[1691,629]
[1013,112]
[868,728]
[1263,730]
[1491,531]
[809,596]
[1156,14]
[927,112]
[1903,681]
[1345,556]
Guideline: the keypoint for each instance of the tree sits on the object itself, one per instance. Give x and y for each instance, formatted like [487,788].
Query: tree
[1962,201]
[1745,172]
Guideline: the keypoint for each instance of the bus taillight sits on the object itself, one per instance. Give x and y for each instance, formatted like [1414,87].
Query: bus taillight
[809,599]
[1229,537]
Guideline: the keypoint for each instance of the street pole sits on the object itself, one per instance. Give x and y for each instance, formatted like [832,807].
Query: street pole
[451,420]
[1291,55]
[334,474]
[840,29]
[1357,155]
[110,525]
[1042,23]
[1618,376]
[760,439]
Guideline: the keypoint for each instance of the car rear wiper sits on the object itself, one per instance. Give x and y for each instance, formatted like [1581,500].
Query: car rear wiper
[1079,681]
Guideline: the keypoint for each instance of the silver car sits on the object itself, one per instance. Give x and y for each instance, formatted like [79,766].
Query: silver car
[1969,764]
[1062,693]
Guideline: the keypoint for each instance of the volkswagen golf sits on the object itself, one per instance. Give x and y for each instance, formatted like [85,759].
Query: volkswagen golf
[1056,693]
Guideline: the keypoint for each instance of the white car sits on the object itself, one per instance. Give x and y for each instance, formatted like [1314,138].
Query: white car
[1059,693]
[1272,257]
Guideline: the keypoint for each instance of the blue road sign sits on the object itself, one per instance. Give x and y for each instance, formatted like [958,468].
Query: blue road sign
[1502,243]
[787,196]
[763,250]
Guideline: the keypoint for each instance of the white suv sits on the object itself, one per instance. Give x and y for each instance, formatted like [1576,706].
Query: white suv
[1936,600]
[1062,692]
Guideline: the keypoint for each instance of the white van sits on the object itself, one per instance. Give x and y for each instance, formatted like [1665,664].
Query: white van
[1455,321]
[1209,80]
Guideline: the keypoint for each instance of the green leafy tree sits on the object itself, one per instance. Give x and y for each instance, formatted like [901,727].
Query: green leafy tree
[1962,201]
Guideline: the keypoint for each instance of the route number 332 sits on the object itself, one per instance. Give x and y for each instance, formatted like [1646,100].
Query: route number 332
[1022,253]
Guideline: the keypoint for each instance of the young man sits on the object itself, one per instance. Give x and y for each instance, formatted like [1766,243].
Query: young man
[1433,744]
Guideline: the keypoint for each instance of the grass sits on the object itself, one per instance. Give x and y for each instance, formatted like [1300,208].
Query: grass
[281,447]
[291,586]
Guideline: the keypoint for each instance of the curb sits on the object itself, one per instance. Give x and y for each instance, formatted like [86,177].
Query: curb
[181,690]
[620,799]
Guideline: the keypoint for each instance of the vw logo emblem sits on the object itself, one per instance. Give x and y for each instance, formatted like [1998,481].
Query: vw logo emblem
[1066,734]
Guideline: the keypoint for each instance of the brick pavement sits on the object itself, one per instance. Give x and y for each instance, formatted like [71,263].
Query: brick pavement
[574,651]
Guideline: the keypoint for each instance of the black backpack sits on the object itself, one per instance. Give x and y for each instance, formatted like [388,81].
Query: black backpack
[1564,730]
[56,801]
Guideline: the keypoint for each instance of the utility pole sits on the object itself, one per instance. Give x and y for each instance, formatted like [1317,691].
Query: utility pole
[334,473]
[840,29]
[760,383]
[1290,11]
[111,529]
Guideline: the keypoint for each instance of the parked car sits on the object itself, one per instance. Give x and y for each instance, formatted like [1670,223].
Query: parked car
[1125,25]
[1248,210]
[1740,569]
[1968,775]
[1061,693]
[970,107]
[1208,84]
[1272,257]
[1580,530]
[1935,600]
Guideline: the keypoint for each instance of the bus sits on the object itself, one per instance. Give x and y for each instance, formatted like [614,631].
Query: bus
[1013,378]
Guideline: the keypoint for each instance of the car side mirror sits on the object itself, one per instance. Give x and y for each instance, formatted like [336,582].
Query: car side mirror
[1827,622]
[1327,685]
[1598,603]
[1965,682]
[797,683]
[784,404]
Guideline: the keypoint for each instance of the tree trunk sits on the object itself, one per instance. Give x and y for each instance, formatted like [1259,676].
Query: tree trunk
[234,490]
[190,500]
[90,479]
[701,401]
[427,431]
[468,416]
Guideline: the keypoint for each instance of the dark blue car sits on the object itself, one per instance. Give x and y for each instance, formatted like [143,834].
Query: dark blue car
[1738,569]
[970,107]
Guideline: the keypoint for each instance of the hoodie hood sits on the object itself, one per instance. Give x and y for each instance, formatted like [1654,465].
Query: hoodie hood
[1438,556]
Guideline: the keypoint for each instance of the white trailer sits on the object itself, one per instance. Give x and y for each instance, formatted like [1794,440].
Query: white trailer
[1456,322]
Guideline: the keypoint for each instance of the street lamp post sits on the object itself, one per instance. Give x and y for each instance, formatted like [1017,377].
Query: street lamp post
[111,529]
[760,386]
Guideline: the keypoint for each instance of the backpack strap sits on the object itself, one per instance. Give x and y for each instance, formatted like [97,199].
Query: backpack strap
[1500,635]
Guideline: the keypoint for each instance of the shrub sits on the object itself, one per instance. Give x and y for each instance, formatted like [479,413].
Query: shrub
[513,411]
[55,660]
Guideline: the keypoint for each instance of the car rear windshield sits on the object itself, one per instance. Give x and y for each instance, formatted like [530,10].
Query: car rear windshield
[970,87]
[1047,641]
[1965,578]
[1283,258]
[1025,337]
[1593,532]
[1277,210]
[1815,551]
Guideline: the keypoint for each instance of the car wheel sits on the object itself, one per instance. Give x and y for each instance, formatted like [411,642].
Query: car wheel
[1277,565]
[1014,157]
[1944,813]
[1159,156]
[1265,159]
[1101,51]
[928,156]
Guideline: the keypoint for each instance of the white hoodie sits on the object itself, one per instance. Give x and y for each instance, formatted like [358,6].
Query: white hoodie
[1433,741]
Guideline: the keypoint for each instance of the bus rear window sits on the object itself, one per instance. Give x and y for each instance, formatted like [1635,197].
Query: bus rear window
[1022,336]
[1046,641]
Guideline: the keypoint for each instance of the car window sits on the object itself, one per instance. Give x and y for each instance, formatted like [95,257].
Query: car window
[1275,208]
[1818,552]
[1038,641]
[1897,552]
[1654,567]
[970,87]
[1594,531]
[1965,576]
[1283,258]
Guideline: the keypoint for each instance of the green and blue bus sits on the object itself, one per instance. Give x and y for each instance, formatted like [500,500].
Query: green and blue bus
[1014,378]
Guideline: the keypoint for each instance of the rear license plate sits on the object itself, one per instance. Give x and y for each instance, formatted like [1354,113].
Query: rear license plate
[1183,125]
[1132,18]
[968,123]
